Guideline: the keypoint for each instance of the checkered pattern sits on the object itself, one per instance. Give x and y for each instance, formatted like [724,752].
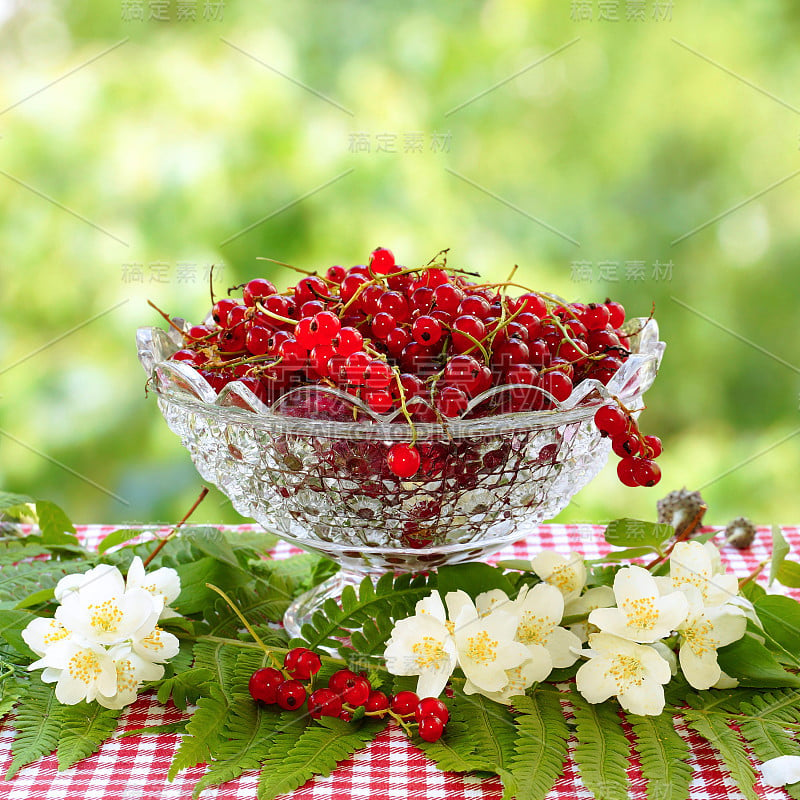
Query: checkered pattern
[136,768]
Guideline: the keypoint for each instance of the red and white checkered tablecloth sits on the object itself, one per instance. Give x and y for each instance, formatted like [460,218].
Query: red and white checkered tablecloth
[135,768]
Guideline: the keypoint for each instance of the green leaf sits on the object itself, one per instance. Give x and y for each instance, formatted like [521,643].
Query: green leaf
[627,554]
[780,617]
[317,751]
[454,751]
[751,662]
[212,542]
[12,623]
[541,744]
[716,731]
[603,750]
[663,756]
[8,500]
[38,723]
[637,533]
[780,549]
[473,578]
[55,525]
[154,730]
[185,687]
[492,732]
[204,729]
[84,727]
[195,596]
[259,541]
[789,574]
[117,537]
[10,691]
[37,599]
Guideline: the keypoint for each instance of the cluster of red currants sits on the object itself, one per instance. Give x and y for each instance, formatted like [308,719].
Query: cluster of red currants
[637,466]
[346,693]
[427,341]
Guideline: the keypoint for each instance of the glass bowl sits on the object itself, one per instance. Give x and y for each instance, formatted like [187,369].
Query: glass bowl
[305,471]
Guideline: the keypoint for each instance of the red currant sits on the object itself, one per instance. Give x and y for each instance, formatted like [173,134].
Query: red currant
[263,684]
[427,330]
[652,446]
[646,472]
[627,444]
[338,681]
[625,471]
[290,695]
[467,329]
[404,704]
[356,692]
[336,274]
[616,313]
[432,706]
[324,703]
[431,729]
[306,665]
[347,341]
[611,421]
[403,460]
[381,261]
[376,702]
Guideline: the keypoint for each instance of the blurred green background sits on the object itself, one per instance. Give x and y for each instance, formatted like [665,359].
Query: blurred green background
[143,141]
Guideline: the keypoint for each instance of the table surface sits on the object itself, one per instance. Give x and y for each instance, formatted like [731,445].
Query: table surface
[135,768]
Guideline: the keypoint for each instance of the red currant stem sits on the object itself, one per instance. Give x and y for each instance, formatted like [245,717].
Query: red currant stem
[564,330]
[685,534]
[511,274]
[753,575]
[644,324]
[211,284]
[272,314]
[435,259]
[504,323]
[290,266]
[241,616]
[403,406]
[173,532]
[474,341]
[167,318]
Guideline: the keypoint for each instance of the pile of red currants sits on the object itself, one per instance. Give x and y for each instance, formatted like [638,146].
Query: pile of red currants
[413,345]
[346,694]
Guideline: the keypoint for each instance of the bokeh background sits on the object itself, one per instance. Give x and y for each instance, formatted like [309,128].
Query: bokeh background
[642,150]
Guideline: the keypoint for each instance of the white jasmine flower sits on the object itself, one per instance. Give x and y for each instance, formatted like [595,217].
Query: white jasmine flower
[704,630]
[81,670]
[725,681]
[518,680]
[131,671]
[635,673]
[692,564]
[596,597]
[110,578]
[486,647]
[566,573]
[540,609]
[641,614]
[164,584]
[781,771]
[104,640]
[423,645]
[42,633]
[106,618]
[486,602]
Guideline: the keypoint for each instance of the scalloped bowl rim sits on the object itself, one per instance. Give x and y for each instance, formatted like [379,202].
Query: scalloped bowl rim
[257,414]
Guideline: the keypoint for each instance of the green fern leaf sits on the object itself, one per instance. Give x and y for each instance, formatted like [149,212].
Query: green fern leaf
[488,745]
[603,750]
[203,732]
[663,756]
[317,751]
[724,740]
[264,602]
[765,732]
[38,724]
[392,598]
[455,751]
[204,729]
[10,692]
[541,745]
[84,728]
